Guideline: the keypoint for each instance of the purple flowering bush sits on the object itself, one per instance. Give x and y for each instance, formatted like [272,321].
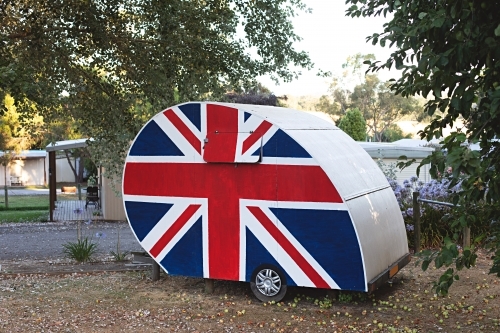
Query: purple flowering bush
[433,228]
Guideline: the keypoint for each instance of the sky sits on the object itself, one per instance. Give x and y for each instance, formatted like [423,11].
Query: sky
[330,37]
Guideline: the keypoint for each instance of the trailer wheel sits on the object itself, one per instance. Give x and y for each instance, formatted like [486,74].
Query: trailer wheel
[268,283]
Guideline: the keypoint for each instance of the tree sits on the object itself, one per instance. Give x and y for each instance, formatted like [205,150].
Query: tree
[354,124]
[450,50]
[98,58]
[341,86]
[394,133]
[326,105]
[380,106]
[258,94]
[13,138]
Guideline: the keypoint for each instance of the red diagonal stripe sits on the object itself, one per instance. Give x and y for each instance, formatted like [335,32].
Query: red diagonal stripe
[311,273]
[173,230]
[185,131]
[256,135]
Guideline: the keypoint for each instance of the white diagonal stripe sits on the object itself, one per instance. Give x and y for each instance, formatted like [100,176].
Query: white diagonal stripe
[176,136]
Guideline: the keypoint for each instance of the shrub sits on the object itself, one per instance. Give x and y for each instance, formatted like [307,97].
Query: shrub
[81,251]
[432,225]
[354,124]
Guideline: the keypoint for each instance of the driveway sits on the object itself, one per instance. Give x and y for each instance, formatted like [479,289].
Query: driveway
[44,240]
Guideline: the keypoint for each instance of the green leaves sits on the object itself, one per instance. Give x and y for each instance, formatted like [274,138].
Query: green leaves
[453,51]
[447,256]
[422,15]
[354,124]
[110,65]
[497,30]
[438,23]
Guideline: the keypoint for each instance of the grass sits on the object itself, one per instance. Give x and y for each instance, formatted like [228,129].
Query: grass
[17,216]
[30,208]
[25,202]
[81,251]
[40,201]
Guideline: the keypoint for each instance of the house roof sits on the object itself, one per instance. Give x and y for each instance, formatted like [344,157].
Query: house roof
[29,154]
[416,142]
[67,144]
[395,150]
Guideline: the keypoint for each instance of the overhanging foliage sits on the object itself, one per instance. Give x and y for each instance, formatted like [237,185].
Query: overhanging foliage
[449,51]
[111,64]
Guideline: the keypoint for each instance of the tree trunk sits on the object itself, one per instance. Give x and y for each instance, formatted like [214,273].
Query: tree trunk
[71,165]
[81,167]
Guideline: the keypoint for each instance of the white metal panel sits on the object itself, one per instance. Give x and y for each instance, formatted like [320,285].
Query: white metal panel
[33,172]
[351,169]
[63,170]
[112,204]
[381,231]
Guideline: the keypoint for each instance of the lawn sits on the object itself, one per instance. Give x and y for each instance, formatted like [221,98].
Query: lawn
[27,208]
[17,216]
[25,202]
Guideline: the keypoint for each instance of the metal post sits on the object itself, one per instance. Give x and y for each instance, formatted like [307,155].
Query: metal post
[416,221]
[6,189]
[52,184]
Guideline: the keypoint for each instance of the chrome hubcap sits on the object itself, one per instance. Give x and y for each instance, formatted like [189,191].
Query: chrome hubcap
[268,282]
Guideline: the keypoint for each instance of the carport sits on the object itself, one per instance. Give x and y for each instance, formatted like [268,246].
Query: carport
[51,149]
[111,207]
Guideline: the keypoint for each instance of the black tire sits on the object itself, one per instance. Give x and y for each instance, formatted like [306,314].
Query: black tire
[268,283]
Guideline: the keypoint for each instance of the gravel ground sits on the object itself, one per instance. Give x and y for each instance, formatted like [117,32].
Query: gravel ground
[44,240]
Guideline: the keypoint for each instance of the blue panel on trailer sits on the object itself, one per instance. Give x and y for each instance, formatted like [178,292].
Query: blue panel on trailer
[256,255]
[143,216]
[247,115]
[330,238]
[193,112]
[152,141]
[186,257]
[282,145]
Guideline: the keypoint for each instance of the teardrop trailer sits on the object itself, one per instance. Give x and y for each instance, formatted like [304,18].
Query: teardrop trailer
[271,196]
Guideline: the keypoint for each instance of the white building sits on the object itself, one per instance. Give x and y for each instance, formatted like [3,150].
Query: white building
[389,152]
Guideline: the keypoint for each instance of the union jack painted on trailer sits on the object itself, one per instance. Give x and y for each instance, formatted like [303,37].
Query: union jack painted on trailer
[215,190]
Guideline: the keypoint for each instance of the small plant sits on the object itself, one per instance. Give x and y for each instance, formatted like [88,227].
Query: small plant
[92,180]
[81,251]
[345,297]
[119,255]
[326,303]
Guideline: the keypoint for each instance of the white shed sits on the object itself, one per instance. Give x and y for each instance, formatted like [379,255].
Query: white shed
[27,168]
[390,152]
